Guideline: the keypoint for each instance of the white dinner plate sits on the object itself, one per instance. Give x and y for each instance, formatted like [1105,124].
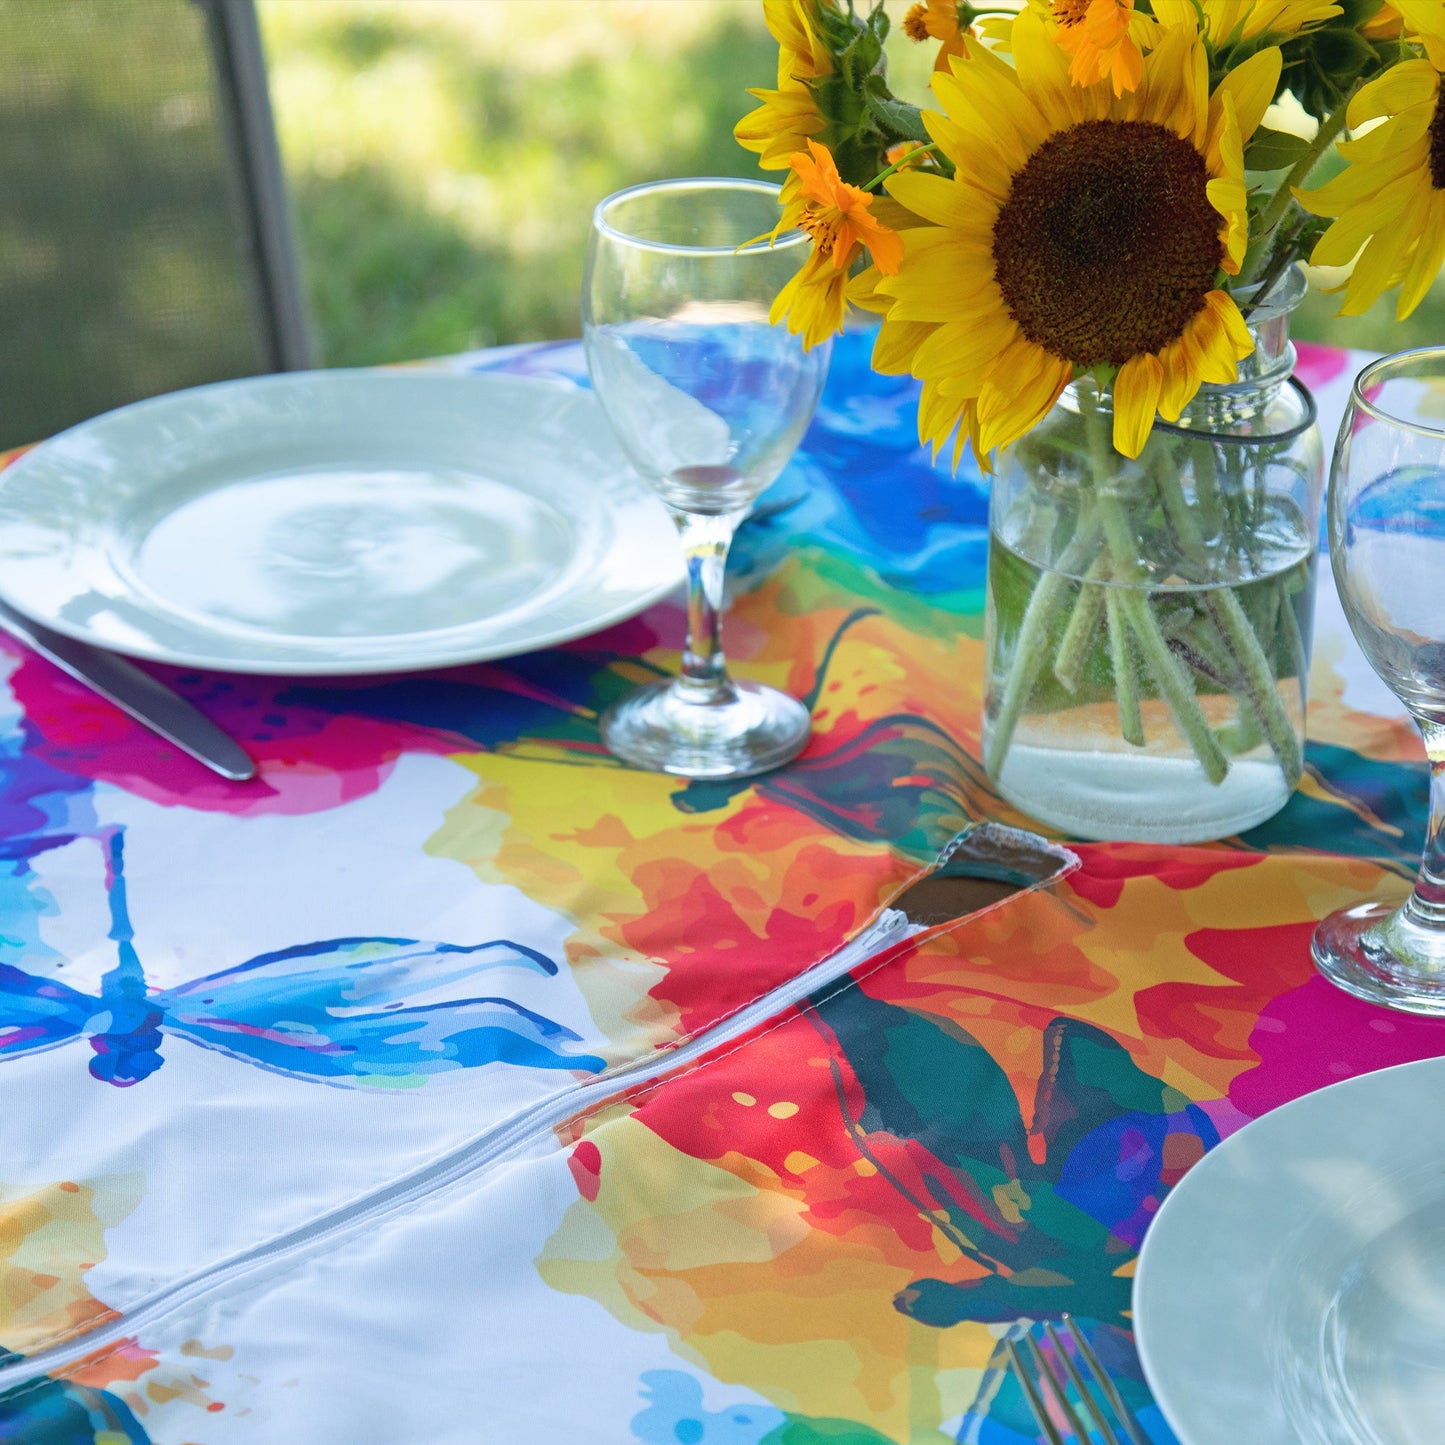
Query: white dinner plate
[335,522]
[1292,1289]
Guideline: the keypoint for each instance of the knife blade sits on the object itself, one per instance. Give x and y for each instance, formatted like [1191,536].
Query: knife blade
[135,692]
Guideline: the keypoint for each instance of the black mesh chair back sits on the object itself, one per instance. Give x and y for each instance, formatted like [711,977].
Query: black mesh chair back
[144,240]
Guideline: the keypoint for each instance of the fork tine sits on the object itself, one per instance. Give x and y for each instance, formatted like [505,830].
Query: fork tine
[1126,1416]
[1031,1394]
[1092,1407]
[1059,1386]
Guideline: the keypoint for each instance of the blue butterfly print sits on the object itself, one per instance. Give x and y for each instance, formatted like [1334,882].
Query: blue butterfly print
[333,1011]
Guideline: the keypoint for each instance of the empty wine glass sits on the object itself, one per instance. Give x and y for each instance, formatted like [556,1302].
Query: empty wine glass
[1387,543]
[708,401]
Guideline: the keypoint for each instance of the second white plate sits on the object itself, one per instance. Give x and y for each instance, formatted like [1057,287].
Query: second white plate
[335,522]
[1292,1289]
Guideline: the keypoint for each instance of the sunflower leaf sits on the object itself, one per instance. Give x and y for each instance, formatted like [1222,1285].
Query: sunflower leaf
[905,122]
[1273,150]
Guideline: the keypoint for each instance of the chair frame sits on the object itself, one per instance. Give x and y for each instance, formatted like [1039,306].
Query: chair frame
[249,135]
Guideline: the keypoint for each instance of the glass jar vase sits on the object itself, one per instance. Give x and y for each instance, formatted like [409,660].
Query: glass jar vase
[1149,619]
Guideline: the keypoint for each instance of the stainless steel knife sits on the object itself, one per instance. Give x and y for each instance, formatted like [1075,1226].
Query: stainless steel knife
[137,693]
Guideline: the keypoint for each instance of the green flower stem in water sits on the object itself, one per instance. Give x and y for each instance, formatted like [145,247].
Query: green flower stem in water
[1078,638]
[1032,650]
[1249,671]
[1183,524]
[1260,688]
[1206,491]
[1168,672]
[1134,584]
[1201,646]
[1133,608]
[1126,680]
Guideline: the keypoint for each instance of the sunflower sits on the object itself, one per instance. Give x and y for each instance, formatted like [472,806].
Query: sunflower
[1080,231]
[788,116]
[837,216]
[1390,199]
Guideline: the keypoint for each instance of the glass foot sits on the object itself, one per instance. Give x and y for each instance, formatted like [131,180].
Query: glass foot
[1381,954]
[751,730]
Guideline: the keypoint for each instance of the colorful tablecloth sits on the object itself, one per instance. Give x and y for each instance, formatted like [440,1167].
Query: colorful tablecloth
[452,1082]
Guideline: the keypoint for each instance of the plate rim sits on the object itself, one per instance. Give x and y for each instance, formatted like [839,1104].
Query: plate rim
[1187,1429]
[418,659]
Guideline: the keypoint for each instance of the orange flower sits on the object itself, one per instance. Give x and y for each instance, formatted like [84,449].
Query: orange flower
[1096,34]
[836,215]
[936,20]
[906,153]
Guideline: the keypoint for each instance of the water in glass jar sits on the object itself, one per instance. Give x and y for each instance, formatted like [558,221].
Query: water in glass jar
[1068,764]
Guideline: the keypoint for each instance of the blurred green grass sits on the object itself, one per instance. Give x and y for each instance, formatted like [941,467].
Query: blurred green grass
[444,156]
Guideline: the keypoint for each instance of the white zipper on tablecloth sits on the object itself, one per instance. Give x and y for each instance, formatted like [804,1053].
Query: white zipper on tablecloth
[467,1160]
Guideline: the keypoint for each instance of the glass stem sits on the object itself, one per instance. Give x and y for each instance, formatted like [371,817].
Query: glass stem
[705,537]
[1427,903]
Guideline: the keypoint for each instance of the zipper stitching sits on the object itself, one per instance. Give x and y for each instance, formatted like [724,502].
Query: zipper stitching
[464,1161]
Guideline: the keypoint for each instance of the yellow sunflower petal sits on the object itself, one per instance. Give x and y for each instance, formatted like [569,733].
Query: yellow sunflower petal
[1136,397]
[938,414]
[1339,245]
[1226,192]
[1171,93]
[1406,128]
[1411,82]
[977,164]
[1171,13]
[897,342]
[802,53]
[938,280]
[963,349]
[813,302]
[1234,342]
[1427,20]
[1428,258]
[1023,383]
[1358,183]
[889,213]
[1252,87]
[1181,380]
[982,95]
[778,127]
[943,202]
[1043,70]
[863,291]
[1385,260]
[1375,270]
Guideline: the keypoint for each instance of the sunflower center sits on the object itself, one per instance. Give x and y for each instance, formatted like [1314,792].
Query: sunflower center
[1107,244]
[1437,143]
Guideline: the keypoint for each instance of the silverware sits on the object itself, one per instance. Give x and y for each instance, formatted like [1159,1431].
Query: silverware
[137,693]
[1083,1406]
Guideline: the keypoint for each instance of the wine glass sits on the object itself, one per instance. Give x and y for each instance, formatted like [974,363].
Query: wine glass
[709,400]
[1387,544]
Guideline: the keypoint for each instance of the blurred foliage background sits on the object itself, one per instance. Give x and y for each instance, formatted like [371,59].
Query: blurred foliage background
[444,156]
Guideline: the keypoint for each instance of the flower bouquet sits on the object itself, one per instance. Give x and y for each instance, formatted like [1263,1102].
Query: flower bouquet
[1086,254]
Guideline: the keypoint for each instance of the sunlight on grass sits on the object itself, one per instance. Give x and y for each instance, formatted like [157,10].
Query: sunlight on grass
[444,156]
